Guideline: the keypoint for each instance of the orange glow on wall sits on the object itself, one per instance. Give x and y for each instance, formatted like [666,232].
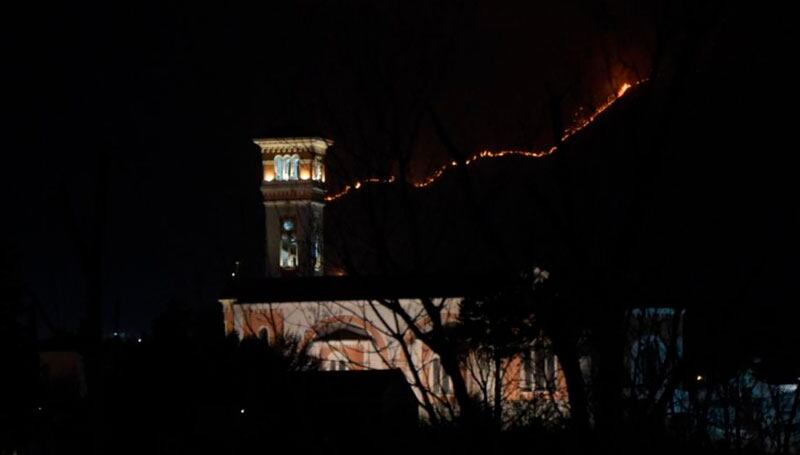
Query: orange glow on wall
[305,170]
[269,174]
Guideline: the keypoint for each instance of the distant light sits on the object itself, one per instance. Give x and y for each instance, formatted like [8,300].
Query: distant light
[38,408]
[539,275]
[241,411]
[139,340]
[233,274]
[788,388]
[116,334]
[623,89]
[699,377]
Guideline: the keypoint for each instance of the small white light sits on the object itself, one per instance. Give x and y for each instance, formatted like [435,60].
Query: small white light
[116,334]
[139,340]
[699,377]
[241,411]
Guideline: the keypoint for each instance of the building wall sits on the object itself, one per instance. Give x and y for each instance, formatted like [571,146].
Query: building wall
[307,321]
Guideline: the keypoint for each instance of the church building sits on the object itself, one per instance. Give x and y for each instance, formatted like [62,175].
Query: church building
[346,322]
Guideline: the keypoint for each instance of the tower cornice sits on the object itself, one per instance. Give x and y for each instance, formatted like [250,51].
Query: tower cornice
[275,146]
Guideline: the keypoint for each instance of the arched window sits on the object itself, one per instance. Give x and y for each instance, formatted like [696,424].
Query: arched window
[287,167]
[280,165]
[294,167]
[289,249]
[316,170]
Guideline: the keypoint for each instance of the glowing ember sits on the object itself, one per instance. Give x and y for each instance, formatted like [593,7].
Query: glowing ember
[436,175]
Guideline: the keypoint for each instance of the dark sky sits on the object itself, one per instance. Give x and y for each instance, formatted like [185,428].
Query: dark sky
[172,94]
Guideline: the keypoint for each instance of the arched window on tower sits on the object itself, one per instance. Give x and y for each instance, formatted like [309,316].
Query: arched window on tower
[316,170]
[280,165]
[289,250]
[287,167]
[294,167]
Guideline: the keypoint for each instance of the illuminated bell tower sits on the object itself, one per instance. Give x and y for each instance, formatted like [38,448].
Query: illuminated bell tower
[294,197]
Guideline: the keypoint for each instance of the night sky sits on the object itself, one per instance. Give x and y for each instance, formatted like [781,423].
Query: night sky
[171,95]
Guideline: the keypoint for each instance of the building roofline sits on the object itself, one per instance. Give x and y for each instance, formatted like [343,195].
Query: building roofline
[336,288]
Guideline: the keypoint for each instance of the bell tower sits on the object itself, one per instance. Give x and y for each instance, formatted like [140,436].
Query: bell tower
[293,189]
